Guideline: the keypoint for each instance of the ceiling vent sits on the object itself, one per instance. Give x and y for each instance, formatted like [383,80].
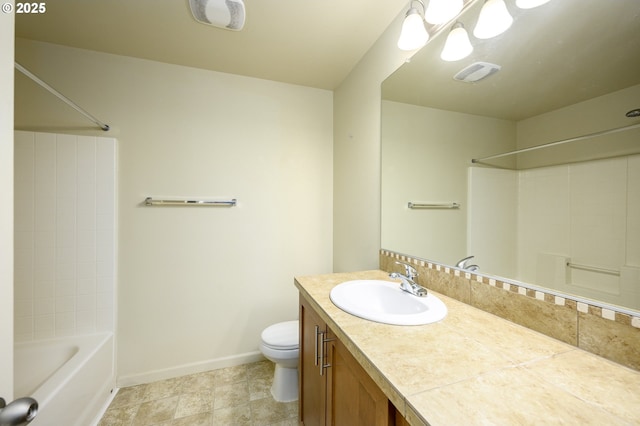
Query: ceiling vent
[476,72]
[227,14]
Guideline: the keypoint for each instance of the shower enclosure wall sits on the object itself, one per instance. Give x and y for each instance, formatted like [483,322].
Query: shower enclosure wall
[65,263]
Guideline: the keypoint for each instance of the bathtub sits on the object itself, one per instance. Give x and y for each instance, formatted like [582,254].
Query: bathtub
[71,378]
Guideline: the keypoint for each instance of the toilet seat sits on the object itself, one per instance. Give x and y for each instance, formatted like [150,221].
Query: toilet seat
[281,336]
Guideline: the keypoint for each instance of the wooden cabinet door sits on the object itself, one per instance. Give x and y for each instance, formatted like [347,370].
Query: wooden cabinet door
[342,394]
[312,386]
[353,398]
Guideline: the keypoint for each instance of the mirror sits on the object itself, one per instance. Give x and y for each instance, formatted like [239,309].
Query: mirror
[565,216]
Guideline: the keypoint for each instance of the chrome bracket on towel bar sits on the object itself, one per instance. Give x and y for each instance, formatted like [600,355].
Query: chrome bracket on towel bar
[149,201]
[593,269]
[433,205]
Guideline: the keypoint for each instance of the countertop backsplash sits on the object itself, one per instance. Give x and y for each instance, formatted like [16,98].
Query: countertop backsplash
[603,331]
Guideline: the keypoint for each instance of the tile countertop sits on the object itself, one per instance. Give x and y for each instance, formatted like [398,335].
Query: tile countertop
[476,368]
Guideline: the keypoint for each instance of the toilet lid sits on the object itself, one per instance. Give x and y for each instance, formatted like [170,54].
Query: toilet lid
[283,335]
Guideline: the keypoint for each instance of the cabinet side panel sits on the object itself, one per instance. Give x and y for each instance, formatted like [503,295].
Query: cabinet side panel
[311,409]
[355,398]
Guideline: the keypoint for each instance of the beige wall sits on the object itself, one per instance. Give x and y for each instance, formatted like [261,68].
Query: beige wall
[197,285]
[356,160]
[6,208]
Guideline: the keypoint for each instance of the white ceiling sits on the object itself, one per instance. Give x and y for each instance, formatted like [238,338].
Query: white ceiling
[558,54]
[305,42]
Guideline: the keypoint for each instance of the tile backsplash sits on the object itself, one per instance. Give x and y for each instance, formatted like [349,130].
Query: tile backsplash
[605,332]
[64,229]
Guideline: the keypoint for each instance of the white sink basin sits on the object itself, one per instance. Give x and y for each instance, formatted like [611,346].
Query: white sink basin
[385,302]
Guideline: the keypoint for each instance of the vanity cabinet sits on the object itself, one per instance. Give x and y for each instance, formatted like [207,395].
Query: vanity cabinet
[334,388]
[312,386]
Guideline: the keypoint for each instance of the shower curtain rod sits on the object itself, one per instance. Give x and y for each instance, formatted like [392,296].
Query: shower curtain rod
[560,142]
[60,96]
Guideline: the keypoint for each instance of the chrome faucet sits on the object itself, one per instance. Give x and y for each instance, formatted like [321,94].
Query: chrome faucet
[462,264]
[407,282]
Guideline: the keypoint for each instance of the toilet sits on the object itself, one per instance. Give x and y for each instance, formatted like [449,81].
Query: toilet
[279,343]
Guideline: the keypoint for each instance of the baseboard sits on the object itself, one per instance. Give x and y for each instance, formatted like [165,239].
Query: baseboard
[186,369]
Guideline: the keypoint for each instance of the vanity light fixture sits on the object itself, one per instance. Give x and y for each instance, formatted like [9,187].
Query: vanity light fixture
[442,11]
[530,4]
[458,45]
[413,35]
[494,19]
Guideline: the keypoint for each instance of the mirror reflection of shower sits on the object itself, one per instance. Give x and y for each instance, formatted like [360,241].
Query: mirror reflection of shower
[522,150]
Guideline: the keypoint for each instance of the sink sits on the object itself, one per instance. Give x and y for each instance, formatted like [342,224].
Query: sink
[385,302]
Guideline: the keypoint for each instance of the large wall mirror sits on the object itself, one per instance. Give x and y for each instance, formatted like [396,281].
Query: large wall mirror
[564,216]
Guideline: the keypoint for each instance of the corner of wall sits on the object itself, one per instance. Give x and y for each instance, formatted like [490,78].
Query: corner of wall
[356,139]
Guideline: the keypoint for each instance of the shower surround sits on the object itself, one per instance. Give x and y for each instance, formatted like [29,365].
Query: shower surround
[65,228]
[65,269]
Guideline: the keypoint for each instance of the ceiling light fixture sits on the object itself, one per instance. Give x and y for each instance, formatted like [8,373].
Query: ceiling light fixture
[494,19]
[442,11]
[457,45]
[413,35]
[530,4]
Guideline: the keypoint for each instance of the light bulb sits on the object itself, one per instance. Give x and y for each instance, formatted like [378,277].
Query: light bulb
[442,11]
[494,19]
[457,45]
[413,35]
[530,4]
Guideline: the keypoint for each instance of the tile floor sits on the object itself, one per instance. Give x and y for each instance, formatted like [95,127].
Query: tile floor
[234,396]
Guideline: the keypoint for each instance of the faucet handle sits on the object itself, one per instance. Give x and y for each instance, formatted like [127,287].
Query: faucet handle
[462,263]
[409,270]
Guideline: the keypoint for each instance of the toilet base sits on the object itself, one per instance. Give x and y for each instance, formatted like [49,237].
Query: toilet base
[285,384]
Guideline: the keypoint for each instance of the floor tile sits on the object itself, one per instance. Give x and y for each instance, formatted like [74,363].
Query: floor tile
[156,411]
[190,404]
[237,396]
[231,395]
[237,416]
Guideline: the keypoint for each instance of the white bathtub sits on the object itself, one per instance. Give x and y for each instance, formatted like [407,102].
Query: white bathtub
[71,378]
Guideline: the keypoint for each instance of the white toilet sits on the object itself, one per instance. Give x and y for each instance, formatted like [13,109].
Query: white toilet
[280,345]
